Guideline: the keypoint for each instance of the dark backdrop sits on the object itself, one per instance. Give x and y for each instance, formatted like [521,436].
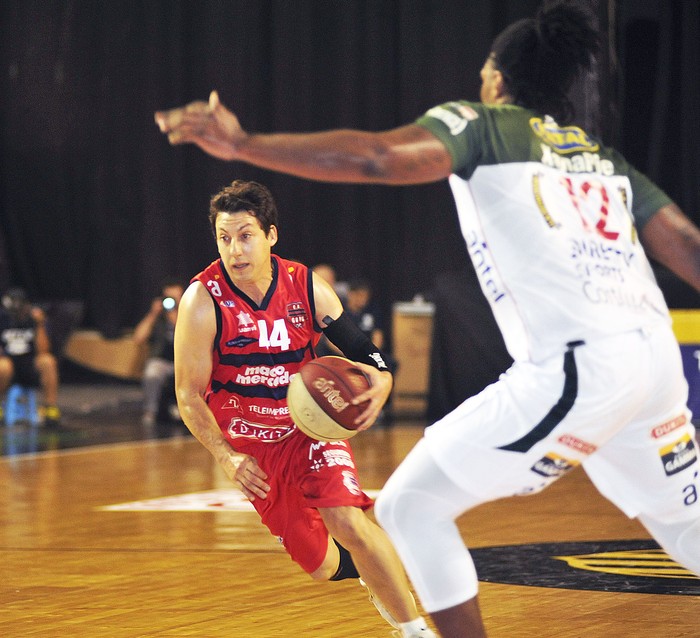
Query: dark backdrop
[95,206]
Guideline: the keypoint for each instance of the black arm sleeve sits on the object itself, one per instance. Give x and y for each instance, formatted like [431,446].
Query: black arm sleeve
[353,343]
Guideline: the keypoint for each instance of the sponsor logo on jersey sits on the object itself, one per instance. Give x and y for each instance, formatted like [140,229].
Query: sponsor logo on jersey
[296,313]
[679,455]
[270,376]
[577,444]
[228,303]
[565,139]
[481,258]
[232,403]
[578,163]
[553,466]
[669,426]
[265,433]
[266,410]
[240,342]
[456,122]
[245,322]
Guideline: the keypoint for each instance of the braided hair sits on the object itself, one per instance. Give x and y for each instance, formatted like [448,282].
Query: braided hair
[541,57]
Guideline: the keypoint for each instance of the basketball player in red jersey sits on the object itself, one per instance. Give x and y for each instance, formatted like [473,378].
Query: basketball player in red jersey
[247,323]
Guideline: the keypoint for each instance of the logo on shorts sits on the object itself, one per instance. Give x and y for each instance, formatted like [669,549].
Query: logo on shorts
[577,444]
[350,482]
[678,455]
[553,466]
[669,426]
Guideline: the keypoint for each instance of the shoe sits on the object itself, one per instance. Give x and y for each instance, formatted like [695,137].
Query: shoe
[383,611]
[52,416]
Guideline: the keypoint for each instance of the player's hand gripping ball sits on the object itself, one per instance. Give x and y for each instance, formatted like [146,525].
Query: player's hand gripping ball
[319,398]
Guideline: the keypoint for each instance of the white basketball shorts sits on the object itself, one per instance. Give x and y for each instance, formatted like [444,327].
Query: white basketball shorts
[616,405]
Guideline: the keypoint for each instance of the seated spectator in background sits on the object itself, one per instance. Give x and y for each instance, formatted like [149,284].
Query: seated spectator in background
[25,352]
[366,315]
[157,329]
[364,312]
[327,272]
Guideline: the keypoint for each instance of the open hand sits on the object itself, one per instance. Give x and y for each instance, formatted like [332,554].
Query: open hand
[209,125]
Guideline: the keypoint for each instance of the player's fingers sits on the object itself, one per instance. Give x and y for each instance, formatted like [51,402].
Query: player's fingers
[369,416]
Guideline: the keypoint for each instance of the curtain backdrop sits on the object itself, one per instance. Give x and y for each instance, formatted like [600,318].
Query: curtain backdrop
[95,206]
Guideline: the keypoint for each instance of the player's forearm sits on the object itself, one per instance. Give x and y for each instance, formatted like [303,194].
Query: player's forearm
[673,240]
[331,156]
[201,423]
[346,156]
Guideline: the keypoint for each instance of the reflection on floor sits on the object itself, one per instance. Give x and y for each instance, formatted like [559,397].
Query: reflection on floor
[96,414]
[92,414]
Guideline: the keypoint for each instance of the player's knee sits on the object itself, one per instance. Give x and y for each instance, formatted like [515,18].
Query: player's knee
[397,509]
[349,525]
[46,362]
[324,572]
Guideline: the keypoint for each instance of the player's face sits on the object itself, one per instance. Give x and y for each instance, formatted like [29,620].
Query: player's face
[244,248]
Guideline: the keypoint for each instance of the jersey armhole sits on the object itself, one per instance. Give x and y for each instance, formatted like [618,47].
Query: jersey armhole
[312,300]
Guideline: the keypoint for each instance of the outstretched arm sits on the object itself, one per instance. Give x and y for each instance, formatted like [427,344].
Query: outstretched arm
[406,155]
[673,240]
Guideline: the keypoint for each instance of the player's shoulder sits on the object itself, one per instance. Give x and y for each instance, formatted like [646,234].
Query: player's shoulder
[291,270]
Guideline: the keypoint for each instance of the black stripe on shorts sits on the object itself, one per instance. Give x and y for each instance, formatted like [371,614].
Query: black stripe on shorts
[560,409]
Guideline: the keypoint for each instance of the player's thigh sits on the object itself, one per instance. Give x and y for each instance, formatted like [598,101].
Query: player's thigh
[651,468]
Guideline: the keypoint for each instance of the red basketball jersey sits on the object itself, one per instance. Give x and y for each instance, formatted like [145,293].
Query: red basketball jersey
[257,350]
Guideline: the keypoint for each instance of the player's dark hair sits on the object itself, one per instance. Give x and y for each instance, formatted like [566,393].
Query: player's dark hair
[243,196]
[540,57]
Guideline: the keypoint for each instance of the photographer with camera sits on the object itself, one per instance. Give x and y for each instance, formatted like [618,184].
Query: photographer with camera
[157,329]
[25,352]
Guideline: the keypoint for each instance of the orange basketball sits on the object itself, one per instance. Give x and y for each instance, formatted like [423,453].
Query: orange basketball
[320,395]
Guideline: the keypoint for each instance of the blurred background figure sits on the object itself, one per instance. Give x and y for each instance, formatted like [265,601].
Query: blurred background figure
[328,272]
[368,317]
[364,312]
[26,357]
[157,329]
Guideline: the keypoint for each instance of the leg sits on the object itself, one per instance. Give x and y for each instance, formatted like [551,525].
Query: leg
[681,541]
[418,507]
[375,558]
[155,374]
[47,367]
[7,372]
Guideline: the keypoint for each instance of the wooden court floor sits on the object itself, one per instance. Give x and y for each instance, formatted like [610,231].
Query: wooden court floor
[146,539]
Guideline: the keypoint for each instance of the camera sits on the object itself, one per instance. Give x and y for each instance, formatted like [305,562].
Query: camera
[169,303]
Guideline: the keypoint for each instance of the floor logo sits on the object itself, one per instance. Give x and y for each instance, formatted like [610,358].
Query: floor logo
[614,566]
[223,500]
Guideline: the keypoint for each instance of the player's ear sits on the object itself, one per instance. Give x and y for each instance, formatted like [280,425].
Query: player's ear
[272,235]
[499,86]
